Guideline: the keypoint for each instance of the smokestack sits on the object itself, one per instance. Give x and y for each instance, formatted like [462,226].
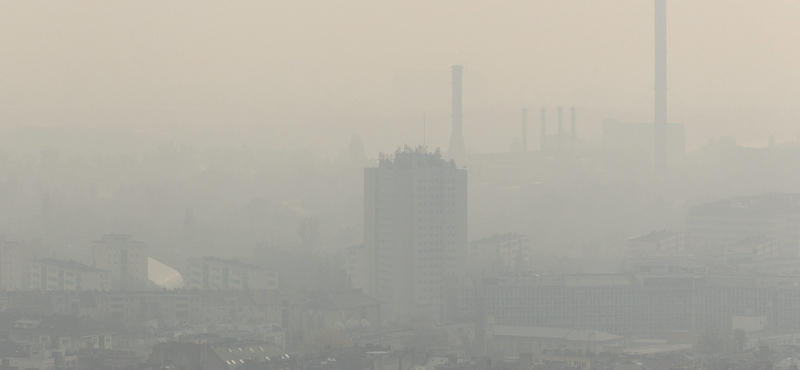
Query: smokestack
[457,150]
[573,136]
[560,128]
[543,135]
[524,130]
[660,86]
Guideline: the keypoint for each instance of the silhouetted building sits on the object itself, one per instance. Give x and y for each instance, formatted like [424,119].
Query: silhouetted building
[415,231]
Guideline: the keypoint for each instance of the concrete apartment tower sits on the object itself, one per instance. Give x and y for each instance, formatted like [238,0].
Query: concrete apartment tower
[415,232]
[124,258]
[457,150]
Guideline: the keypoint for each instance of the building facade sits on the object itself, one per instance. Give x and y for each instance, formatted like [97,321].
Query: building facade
[13,266]
[415,231]
[500,254]
[355,265]
[644,305]
[647,305]
[124,258]
[212,273]
[53,274]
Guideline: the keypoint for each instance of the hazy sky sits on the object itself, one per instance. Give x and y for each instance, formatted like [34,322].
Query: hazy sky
[311,73]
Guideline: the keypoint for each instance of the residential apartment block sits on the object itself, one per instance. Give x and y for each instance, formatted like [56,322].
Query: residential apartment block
[212,273]
[124,258]
[54,274]
[415,231]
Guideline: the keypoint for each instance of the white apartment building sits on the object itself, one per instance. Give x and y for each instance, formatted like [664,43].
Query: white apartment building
[124,258]
[212,273]
[52,274]
[415,232]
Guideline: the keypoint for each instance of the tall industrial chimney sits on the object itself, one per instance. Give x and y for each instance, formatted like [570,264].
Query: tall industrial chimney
[661,86]
[457,150]
[573,135]
[560,128]
[543,135]
[524,130]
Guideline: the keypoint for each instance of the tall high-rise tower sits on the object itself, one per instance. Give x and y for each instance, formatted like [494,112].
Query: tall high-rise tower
[415,232]
[660,86]
[457,150]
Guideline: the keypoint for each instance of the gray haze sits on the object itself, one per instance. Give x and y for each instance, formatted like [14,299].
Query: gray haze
[307,74]
[284,185]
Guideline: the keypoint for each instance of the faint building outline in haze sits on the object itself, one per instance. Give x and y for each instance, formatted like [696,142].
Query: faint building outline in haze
[457,150]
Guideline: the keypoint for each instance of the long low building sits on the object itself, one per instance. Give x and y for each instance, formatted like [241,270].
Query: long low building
[514,340]
[637,305]
[53,274]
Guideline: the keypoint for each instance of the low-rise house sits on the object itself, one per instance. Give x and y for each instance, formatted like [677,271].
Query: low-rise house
[81,304]
[58,331]
[346,310]
[168,309]
[236,307]
[108,359]
[31,356]
[215,353]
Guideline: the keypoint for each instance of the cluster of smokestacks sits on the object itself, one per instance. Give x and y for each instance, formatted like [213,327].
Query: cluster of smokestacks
[543,135]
